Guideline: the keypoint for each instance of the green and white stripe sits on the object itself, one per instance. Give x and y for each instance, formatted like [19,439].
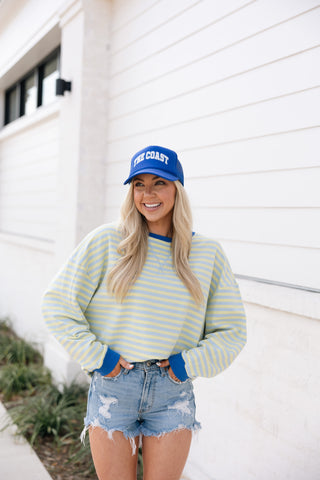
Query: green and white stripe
[158,318]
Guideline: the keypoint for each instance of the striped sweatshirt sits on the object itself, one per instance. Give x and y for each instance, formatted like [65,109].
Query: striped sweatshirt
[158,319]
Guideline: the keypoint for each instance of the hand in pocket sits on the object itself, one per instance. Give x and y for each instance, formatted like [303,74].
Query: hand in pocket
[117,369]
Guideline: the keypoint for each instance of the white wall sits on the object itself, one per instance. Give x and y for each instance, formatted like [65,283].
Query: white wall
[29,153]
[261,417]
[233,87]
[28,176]
[51,162]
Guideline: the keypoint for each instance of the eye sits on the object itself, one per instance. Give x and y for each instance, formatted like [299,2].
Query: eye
[138,184]
[160,182]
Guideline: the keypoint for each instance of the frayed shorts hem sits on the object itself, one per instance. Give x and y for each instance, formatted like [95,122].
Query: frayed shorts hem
[140,433]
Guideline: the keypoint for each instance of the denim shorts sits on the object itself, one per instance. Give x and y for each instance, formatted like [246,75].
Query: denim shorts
[142,401]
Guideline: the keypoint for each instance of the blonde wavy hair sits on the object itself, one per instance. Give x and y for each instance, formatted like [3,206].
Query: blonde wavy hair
[134,246]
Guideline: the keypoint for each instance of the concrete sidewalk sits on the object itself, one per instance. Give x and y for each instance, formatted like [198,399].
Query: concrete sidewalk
[17,458]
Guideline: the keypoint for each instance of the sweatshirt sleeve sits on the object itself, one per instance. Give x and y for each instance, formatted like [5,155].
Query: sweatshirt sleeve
[225,325]
[64,306]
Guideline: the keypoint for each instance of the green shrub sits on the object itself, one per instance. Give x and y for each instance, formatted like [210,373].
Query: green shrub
[49,413]
[40,410]
[17,350]
[52,412]
[5,327]
[22,379]
[76,394]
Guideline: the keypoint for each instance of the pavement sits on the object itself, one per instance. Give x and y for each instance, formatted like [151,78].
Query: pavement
[17,458]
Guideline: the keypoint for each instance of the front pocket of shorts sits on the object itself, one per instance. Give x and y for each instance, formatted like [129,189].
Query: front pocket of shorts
[116,377]
[175,382]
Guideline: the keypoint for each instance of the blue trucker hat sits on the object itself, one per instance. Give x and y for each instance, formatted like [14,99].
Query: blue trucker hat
[157,160]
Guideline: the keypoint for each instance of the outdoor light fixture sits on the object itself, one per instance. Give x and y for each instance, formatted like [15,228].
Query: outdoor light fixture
[62,86]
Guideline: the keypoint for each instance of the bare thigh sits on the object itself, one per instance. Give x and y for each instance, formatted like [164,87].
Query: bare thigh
[113,458]
[164,458]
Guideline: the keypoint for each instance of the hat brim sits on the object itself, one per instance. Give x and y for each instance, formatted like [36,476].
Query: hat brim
[159,173]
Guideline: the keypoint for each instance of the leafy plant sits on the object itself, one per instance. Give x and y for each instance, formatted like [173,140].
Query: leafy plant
[22,379]
[49,413]
[50,418]
[5,327]
[17,350]
[76,394]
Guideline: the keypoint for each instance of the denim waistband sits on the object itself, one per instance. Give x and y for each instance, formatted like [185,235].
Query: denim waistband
[146,365]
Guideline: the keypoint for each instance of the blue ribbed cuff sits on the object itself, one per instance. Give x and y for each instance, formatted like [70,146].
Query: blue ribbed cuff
[109,362]
[178,366]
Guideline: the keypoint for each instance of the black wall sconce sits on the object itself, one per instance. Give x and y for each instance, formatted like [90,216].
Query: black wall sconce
[62,86]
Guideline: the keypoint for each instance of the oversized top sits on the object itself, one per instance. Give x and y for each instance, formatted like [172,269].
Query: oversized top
[158,319]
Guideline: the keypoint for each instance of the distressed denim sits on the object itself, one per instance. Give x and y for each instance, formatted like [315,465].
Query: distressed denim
[142,401]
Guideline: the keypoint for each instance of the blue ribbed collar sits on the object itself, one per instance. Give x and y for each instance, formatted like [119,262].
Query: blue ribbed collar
[160,237]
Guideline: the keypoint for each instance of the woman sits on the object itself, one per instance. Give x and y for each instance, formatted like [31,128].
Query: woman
[146,306]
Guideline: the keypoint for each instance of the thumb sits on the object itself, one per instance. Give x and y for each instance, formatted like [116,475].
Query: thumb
[125,364]
[163,363]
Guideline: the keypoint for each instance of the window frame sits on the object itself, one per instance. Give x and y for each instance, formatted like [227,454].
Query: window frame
[19,85]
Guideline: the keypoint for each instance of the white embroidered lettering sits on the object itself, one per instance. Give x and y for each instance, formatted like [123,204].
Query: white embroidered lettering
[156,156]
[164,158]
[139,159]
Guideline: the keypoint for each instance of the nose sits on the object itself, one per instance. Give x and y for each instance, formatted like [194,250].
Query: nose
[148,190]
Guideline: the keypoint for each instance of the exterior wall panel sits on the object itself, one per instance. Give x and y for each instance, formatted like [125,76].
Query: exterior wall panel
[28,181]
[252,36]
[234,88]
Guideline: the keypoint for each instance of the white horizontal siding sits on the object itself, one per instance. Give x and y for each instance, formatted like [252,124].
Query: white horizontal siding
[234,87]
[290,227]
[28,181]
[172,33]
[294,265]
[125,12]
[293,74]
[135,19]
[290,188]
[258,33]
[280,115]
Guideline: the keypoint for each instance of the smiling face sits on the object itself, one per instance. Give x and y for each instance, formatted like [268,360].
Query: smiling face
[154,198]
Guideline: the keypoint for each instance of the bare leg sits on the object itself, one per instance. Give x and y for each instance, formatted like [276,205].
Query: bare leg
[113,458]
[164,458]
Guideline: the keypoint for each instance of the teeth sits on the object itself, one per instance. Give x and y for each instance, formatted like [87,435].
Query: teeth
[151,205]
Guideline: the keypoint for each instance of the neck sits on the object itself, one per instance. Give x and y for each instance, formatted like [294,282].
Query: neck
[161,230]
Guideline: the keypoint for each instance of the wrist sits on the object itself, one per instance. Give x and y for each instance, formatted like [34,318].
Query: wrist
[177,365]
[109,362]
